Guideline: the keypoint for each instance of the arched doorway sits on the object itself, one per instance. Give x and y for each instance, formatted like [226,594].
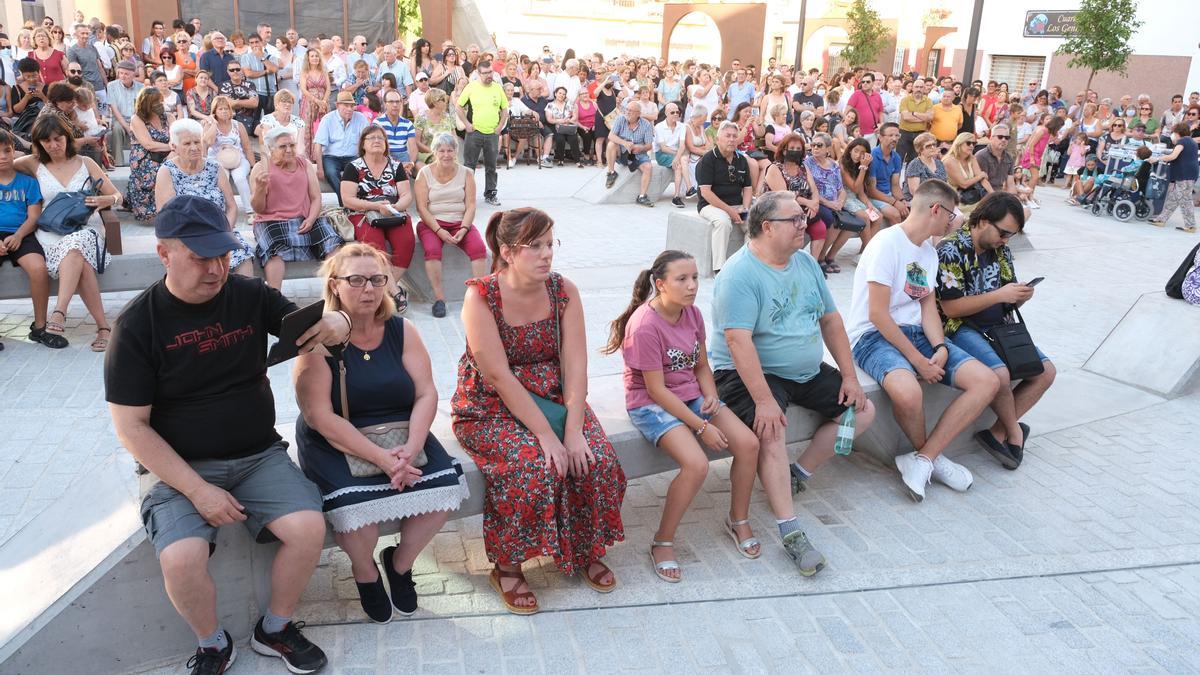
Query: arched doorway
[695,36]
[823,47]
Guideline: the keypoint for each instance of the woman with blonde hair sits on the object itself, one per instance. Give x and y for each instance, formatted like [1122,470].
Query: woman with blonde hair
[51,61]
[229,146]
[381,380]
[285,102]
[964,172]
[314,96]
[24,44]
[437,120]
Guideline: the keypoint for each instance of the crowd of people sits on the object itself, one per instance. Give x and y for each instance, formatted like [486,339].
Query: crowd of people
[934,176]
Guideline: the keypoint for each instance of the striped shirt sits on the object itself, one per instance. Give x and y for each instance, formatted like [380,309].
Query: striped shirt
[398,135]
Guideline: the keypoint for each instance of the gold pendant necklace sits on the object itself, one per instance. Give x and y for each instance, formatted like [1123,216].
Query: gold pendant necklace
[366,356]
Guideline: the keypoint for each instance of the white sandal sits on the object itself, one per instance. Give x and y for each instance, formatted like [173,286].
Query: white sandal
[660,567]
[743,545]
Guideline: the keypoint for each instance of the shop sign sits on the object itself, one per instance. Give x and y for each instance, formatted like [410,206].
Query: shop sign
[1048,24]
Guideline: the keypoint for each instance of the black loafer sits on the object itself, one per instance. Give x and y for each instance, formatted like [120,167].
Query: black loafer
[403,588]
[997,449]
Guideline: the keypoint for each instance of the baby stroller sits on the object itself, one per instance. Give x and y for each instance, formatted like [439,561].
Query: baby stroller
[1125,195]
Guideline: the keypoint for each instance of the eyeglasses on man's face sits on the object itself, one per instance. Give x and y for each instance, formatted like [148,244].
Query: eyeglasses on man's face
[1004,234]
[359,280]
[798,222]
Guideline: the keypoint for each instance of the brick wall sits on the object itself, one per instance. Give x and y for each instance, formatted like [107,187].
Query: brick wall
[1158,76]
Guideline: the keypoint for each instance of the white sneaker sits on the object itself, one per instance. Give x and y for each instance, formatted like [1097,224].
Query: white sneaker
[914,471]
[1033,205]
[952,474]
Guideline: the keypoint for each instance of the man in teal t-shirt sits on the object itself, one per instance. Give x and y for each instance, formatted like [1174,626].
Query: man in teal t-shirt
[774,314]
[20,206]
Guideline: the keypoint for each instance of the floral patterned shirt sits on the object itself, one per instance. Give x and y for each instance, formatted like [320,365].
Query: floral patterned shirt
[961,273]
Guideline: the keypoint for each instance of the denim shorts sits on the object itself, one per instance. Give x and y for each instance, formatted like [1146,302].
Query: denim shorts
[653,421]
[878,357]
[974,343]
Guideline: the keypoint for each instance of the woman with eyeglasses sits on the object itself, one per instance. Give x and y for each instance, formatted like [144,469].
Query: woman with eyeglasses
[375,191]
[173,71]
[51,61]
[964,173]
[383,376]
[927,164]
[1116,136]
[554,485]
[186,62]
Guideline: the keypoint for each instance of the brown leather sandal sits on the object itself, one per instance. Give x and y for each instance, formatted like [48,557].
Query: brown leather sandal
[593,580]
[510,598]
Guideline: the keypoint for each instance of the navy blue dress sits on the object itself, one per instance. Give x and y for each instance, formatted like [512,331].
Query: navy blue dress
[379,390]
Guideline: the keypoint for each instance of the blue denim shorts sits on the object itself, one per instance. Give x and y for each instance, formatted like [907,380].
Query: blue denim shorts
[878,357]
[974,343]
[653,421]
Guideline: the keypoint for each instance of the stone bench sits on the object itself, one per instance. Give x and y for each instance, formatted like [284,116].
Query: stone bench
[1134,351]
[625,189]
[687,231]
[136,272]
[124,595]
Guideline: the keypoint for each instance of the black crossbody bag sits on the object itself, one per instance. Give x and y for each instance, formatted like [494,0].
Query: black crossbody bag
[1014,346]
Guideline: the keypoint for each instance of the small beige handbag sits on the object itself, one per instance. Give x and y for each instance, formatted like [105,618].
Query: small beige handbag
[387,435]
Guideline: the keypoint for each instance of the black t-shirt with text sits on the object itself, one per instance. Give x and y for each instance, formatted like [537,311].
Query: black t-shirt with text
[202,368]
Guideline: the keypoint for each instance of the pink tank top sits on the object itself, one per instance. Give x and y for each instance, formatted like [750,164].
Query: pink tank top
[287,193]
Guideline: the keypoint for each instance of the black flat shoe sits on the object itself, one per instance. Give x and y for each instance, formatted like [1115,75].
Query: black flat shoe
[1001,451]
[404,590]
[374,600]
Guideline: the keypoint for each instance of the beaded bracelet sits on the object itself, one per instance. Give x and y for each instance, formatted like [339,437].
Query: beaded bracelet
[703,428]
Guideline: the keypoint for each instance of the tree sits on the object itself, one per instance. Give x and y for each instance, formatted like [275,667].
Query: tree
[867,36]
[408,18]
[1100,42]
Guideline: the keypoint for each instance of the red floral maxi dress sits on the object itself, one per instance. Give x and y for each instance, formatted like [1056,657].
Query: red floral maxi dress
[528,510]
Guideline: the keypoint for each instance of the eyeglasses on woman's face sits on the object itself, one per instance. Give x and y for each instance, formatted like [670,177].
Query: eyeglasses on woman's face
[359,280]
[537,247]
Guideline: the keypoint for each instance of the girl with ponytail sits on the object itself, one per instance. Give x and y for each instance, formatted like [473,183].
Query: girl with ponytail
[672,399]
[554,485]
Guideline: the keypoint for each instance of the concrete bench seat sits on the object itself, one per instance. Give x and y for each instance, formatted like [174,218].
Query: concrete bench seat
[625,189]
[136,272]
[130,578]
[689,232]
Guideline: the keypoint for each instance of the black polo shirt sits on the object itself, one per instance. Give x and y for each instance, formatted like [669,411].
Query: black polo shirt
[725,178]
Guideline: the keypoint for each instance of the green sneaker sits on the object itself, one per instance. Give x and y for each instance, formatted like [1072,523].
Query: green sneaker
[808,559]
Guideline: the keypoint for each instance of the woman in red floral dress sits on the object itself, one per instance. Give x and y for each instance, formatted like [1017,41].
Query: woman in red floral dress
[546,494]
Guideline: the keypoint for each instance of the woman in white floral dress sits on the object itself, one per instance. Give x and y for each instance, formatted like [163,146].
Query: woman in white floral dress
[74,259]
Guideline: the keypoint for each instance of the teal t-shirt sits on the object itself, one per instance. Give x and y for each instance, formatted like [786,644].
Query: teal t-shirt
[15,200]
[782,309]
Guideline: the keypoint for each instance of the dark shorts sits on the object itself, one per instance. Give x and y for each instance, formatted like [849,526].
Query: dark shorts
[268,485]
[819,394]
[28,246]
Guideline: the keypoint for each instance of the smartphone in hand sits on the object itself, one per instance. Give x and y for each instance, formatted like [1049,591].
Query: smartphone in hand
[1035,281]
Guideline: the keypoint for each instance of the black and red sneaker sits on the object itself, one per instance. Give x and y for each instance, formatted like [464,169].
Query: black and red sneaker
[213,661]
[298,654]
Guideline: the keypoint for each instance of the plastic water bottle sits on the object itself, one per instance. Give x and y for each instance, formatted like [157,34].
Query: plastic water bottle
[845,433]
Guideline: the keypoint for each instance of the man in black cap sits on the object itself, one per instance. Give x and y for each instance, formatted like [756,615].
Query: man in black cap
[186,381]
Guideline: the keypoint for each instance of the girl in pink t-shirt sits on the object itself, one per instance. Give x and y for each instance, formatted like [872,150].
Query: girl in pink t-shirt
[672,399]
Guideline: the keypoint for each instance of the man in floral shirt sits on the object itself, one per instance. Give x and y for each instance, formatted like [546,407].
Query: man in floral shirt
[976,284]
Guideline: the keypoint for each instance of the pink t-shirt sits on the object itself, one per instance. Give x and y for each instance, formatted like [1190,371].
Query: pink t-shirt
[651,343]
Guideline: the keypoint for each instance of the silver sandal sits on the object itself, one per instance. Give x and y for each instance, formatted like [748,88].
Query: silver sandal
[743,545]
[660,567]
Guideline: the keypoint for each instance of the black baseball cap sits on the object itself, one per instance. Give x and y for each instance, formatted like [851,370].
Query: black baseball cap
[198,223]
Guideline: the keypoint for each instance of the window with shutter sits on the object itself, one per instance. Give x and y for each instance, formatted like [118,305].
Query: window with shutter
[1017,71]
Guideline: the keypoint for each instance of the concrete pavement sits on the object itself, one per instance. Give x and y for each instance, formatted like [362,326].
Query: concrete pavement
[1083,560]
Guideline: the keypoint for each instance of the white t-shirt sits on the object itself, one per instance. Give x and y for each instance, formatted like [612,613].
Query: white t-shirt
[663,135]
[894,261]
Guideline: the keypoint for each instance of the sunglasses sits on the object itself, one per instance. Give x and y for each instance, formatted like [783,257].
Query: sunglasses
[235,70]
[1001,137]
[1004,234]
[74,72]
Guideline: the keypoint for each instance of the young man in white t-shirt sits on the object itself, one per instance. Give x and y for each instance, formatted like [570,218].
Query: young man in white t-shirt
[896,334]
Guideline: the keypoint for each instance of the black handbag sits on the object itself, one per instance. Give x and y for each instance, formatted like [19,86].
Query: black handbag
[1014,346]
[1175,283]
[68,211]
[971,195]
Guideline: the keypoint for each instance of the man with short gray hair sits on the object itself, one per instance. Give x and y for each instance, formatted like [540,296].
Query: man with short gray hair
[122,92]
[631,138]
[723,177]
[774,314]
